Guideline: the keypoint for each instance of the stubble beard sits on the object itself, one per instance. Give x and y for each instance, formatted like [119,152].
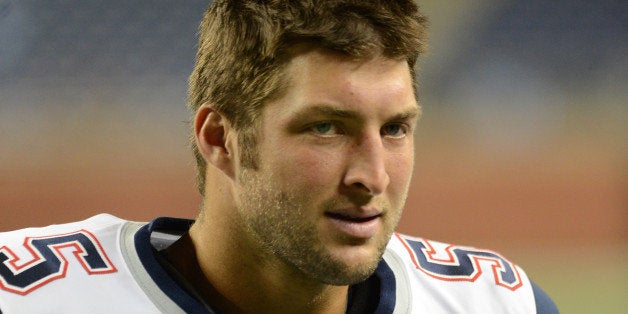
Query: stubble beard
[277,220]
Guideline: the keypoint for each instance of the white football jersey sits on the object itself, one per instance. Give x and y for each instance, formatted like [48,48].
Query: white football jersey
[108,265]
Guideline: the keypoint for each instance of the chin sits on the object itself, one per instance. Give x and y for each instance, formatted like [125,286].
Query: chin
[351,275]
[352,265]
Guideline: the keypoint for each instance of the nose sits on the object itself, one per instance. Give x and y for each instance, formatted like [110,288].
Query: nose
[366,168]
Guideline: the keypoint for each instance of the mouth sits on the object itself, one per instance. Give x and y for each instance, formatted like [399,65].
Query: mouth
[353,226]
[350,218]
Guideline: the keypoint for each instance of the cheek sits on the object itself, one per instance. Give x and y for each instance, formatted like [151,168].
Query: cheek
[400,170]
[308,169]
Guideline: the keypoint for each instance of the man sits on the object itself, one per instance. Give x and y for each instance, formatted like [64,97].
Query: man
[303,133]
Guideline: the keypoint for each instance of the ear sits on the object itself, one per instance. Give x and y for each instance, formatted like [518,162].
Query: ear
[211,132]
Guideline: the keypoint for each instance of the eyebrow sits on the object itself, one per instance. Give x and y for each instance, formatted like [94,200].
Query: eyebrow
[332,111]
[329,110]
[413,113]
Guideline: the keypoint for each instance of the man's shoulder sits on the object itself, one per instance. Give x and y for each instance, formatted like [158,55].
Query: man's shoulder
[443,262]
[26,247]
[81,260]
[443,277]
[95,222]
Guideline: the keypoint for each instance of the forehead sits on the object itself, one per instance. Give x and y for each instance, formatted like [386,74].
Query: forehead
[319,77]
[317,63]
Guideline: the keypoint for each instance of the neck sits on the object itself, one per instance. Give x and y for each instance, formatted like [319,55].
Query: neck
[233,277]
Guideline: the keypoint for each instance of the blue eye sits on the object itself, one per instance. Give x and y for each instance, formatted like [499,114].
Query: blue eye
[325,129]
[393,130]
[322,128]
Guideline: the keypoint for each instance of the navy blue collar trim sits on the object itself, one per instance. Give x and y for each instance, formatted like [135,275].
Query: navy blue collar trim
[147,255]
[387,288]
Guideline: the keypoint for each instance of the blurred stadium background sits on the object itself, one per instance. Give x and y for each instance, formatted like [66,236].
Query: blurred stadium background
[523,147]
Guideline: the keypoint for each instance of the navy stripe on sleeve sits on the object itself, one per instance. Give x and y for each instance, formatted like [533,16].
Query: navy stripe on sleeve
[544,305]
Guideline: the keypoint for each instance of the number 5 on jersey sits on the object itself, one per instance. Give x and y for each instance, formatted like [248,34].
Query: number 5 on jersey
[48,262]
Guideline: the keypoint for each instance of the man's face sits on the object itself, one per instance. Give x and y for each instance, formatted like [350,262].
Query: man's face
[335,160]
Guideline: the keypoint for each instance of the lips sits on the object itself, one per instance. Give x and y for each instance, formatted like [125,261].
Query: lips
[351,218]
[362,224]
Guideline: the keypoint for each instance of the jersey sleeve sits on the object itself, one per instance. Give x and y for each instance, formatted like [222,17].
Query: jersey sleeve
[445,278]
[75,267]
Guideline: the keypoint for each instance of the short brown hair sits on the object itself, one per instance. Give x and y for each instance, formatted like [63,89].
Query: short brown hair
[244,46]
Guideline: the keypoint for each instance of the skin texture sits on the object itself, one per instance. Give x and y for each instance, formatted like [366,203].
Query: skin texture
[335,155]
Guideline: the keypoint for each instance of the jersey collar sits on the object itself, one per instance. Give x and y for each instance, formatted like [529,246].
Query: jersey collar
[376,294]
